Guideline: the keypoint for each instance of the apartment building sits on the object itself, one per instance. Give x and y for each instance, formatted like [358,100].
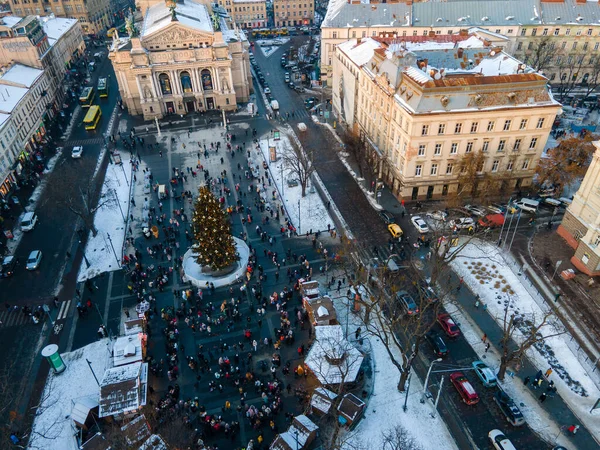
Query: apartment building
[569,27]
[291,13]
[246,14]
[95,16]
[422,106]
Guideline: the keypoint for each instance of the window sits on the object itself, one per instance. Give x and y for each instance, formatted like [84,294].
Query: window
[495,165]
[510,31]
[469,148]
[334,36]
[449,168]
[585,46]
[438,149]
[530,46]
[540,123]
[186,82]
[578,32]
[523,32]
[534,32]
[556,31]
[507,125]
[474,127]
[574,47]
[523,124]
[457,128]
[485,146]
[563,44]
[589,32]
[422,148]
[509,166]
[491,124]
[517,145]
[520,46]
[596,45]
[454,148]
[441,128]
[545,32]
[425,130]
[434,168]
[206,80]
[525,165]
[418,170]
[533,143]
[558,59]
[501,145]
[165,84]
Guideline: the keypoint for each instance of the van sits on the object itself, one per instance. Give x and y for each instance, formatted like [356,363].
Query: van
[526,204]
[275,105]
[28,221]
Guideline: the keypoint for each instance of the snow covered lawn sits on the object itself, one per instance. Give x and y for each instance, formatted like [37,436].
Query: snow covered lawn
[270,46]
[487,274]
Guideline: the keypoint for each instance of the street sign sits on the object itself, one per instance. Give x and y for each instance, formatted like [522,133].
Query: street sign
[327,114]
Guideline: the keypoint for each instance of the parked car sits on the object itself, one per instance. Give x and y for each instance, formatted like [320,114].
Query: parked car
[497,208]
[513,414]
[9,263]
[387,216]
[437,344]
[407,303]
[394,263]
[287,77]
[299,89]
[395,230]
[437,215]
[526,204]
[34,259]
[77,152]
[491,221]
[500,441]
[476,210]
[29,221]
[467,392]
[448,325]
[291,85]
[485,374]
[426,292]
[267,91]
[419,224]
[463,223]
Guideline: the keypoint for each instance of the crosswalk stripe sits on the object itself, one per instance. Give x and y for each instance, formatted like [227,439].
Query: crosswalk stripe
[64,310]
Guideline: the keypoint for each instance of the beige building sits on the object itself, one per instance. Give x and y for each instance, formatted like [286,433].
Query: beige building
[180,64]
[581,223]
[421,106]
[95,16]
[560,23]
[292,13]
[246,13]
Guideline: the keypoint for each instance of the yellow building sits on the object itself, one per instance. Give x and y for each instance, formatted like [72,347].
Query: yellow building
[246,13]
[422,106]
[291,13]
[95,16]
[177,62]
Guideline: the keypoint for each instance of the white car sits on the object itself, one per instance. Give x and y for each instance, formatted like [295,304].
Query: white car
[476,210]
[463,223]
[500,441]
[267,91]
[419,224]
[76,152]
[437,215]
[34,259]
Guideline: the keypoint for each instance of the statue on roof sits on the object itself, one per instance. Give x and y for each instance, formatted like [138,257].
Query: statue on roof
[130,25]
[172,4]
[216,20]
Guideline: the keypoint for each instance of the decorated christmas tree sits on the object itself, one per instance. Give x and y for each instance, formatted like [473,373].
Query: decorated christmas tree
[212,233]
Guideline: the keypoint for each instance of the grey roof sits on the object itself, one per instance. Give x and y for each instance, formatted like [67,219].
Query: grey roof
[476,13]
[571,12]
[341,14]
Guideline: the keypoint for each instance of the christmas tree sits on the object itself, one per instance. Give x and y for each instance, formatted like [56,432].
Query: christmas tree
[212,233]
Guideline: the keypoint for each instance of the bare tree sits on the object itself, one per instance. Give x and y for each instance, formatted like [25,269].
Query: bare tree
[299,160]
[356,149]
[474,182]
[574,73]
[397,438]
[530,331]
[541,54]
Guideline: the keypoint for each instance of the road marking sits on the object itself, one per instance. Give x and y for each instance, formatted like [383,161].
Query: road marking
[92,141]
[64,310]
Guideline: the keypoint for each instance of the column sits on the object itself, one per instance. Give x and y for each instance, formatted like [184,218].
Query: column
[230,74]
[196,81]
[216,81]
[139,86]
[175,87]
[155,86]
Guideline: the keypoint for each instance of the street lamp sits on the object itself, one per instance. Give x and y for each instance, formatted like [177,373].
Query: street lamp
[113,249]
[87,263]
[299,217]
[427,379]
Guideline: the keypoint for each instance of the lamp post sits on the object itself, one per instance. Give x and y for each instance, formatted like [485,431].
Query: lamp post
[119,203]
[87,263]
[404,407]
[437,399]
[427,379]
[113,249]
[299,216]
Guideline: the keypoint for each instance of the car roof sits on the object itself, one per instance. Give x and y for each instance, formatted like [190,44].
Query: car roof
[34,253]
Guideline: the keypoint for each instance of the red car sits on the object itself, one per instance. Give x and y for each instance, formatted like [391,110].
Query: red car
[465,388]
[448,325]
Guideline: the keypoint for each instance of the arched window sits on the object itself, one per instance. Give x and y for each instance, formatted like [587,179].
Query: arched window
[165,84]
[186,82]
[206,80]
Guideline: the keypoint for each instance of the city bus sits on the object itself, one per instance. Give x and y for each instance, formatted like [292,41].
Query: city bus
[87,97]
[91,119]
[103,87]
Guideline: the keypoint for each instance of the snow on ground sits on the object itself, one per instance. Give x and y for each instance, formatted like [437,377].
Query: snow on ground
[53,428]
[384,406]
[483,268]
[270,46]
[306,213]
[110,222]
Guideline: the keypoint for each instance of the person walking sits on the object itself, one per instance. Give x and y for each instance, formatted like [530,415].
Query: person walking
[543,397]
[487,347]
[255,344]
[526,380]
[549,372]
[484,338]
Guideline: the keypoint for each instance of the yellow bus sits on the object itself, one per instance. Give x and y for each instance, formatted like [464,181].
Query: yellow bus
[111,32]
[103,87]
[87,97]
[91,119]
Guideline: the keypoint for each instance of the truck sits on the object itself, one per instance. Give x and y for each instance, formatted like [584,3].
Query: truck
[275,105]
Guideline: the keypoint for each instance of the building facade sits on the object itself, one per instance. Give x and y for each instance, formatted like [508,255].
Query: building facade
[180,64]
[581,223]
[291,13]
[246,14]
[568,27]
[421,107]
[95,16]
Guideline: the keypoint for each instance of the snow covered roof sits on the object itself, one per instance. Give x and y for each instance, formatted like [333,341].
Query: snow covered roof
[154,442]
[123,389]
[571,12]
[359,53]
[127,349]
[189,14]
[332,358]
[341,14]
[322,399]
[82,407]
[351,407]
[10,21]
[322,309]
[53,426]
[137,430]
[21,75]
[56,27]
[133,326]
[301,433]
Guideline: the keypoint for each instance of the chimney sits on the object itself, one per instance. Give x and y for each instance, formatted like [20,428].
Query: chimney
[431,33]
[459,53]
[358,41]
[463,32]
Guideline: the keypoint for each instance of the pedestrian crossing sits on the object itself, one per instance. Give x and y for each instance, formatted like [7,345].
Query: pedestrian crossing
[15,317]
[63,311]
[92,141]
